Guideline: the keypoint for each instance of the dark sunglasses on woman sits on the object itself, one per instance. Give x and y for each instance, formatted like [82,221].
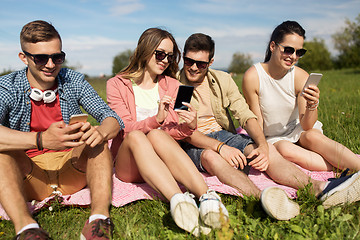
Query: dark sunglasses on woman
[42,59]
[161,55]
[290,51]
[199,64]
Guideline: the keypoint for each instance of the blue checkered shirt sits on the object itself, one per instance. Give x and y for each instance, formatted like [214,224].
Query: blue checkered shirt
[74,91]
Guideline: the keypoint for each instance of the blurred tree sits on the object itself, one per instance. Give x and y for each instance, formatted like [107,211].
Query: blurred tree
[121,61]
[317,56]
[6,71]
[347,42]
[240,63]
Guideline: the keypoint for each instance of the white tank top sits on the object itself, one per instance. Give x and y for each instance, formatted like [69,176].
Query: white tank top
[278,104]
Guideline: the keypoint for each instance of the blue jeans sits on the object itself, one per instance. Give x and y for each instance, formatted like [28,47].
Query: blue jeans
[238,141]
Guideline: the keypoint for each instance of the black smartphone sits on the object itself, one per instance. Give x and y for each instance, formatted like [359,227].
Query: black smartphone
[184,95]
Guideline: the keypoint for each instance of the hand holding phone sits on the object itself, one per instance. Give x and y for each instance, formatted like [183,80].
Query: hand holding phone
[78,118]
[313,79]
[184,95]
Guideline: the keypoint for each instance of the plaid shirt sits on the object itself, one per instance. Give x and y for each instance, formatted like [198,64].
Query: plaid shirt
[74,91]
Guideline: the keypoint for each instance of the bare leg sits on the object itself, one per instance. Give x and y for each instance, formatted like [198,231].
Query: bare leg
[335,153]
[217,166]
[177,161]
[137,161]
[11,187]
[307,159]
[98,164]
[286,173]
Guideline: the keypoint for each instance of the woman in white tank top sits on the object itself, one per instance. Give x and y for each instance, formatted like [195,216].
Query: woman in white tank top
[289,120]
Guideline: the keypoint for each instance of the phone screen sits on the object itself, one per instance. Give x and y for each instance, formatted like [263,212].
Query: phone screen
[184,95]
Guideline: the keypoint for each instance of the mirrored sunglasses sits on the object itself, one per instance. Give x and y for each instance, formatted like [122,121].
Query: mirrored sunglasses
[161,55]
[290,51]
[199,64]
[42,59]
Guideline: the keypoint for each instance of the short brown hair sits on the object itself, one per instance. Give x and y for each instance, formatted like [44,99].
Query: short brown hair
[200,42]
[38,31]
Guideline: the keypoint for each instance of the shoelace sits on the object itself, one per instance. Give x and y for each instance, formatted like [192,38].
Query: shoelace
[343,174]
[101,228]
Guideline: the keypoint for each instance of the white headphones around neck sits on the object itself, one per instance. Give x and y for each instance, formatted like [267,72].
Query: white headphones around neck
[48,96]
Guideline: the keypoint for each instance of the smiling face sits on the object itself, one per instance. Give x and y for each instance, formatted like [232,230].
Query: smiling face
[282,59]
[157,67]
[41,76]
[193,73]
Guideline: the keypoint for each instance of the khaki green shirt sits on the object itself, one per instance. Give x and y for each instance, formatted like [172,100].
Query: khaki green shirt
[225,97]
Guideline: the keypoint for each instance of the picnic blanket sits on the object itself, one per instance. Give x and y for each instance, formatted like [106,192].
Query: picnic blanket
[124,193]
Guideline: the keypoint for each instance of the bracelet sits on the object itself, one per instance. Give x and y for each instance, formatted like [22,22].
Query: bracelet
[39,141]
[219,147]
[313,107]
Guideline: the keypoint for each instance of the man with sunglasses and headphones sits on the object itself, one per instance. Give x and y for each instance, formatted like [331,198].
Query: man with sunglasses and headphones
[216,148]
[41,154]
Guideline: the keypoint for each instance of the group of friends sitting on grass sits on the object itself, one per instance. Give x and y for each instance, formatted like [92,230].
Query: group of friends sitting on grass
[42,154]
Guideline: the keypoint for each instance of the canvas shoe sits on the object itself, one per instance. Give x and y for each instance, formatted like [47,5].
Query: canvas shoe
[342,190]
[185,212]
[278,205]
[97,229]
[32,234]
[212,210]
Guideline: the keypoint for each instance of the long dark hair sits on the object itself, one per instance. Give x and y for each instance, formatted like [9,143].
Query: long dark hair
[285,28]
[147,44]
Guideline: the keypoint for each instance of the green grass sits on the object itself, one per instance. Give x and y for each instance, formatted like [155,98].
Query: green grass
[145,219]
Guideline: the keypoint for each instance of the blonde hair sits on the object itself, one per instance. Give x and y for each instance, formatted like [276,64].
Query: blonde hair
[148,42]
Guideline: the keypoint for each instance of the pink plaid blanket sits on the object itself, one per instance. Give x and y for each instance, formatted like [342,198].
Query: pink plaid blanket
[124,193]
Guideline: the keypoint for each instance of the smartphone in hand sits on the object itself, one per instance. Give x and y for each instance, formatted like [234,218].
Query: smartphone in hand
[184,95]
[78,118]
[313,79]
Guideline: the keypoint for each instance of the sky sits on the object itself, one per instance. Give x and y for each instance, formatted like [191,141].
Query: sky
[95,31]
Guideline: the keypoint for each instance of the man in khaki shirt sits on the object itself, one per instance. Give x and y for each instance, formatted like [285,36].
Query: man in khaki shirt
[216,148]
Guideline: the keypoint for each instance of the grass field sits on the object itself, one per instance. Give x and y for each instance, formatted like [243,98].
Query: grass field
[338,111]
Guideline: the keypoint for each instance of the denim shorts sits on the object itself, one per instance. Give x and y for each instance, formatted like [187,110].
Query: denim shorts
[238,141]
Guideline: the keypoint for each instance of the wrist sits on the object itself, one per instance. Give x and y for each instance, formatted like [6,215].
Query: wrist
[220,145]
[312,107]
[39,143]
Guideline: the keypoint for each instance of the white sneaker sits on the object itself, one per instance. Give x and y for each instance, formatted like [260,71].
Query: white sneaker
[212,210]
[277,204]
[185,212]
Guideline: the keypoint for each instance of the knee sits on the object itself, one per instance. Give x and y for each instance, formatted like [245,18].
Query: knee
[312,136]
[209,159]
[156,134]
[135,137]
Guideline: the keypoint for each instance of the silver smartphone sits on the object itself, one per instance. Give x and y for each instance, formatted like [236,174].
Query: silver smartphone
[78,118]
[313,79]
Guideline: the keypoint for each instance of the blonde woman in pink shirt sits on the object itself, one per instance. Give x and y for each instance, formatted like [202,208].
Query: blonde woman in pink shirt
[143,96]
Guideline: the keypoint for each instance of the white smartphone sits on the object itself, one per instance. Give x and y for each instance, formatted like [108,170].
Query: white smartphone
[313,79]
[78,118]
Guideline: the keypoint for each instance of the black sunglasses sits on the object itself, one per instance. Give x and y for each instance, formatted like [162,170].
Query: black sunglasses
[161,55]
[42,59]
[199,64]
[290,50]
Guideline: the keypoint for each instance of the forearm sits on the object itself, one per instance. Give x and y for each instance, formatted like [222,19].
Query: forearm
[109,128]
[309,118]
[200,140]
[16,140]
[253,129]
